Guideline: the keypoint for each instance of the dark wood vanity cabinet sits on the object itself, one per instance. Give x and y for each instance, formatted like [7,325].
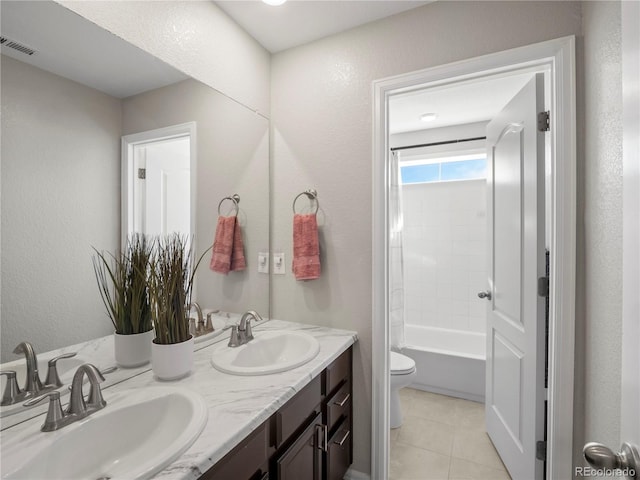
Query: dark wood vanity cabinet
[309,438]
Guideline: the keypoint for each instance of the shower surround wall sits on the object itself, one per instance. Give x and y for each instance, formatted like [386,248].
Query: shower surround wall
[445,254]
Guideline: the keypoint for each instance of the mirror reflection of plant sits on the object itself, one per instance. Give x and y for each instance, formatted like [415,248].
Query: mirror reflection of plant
[170,286]
[122,281]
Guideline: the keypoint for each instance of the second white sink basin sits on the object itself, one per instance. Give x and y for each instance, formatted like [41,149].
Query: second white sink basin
[135,436]
[269,352]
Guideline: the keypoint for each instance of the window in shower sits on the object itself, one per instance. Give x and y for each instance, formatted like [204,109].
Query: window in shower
[444,169]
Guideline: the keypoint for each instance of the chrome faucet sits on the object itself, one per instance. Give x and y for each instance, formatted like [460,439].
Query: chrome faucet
[200,326]
[77,405]
[241,333]
[33,385]
[77,408]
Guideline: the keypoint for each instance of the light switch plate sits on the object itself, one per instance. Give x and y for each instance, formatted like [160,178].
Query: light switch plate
[278,263]
[263,262]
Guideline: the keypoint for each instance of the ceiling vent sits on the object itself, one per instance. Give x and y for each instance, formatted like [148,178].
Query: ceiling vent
[7,42]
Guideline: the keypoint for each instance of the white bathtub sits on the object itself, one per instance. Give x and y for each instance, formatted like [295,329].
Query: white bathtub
[450,362]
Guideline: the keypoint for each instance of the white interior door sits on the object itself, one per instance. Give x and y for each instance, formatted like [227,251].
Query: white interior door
[515,316]
[165,187]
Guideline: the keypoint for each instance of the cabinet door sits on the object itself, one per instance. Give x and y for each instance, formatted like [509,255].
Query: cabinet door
[303,460]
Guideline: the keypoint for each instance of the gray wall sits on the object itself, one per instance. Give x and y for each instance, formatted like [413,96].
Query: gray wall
[60,196]
[599,309]
[322,138]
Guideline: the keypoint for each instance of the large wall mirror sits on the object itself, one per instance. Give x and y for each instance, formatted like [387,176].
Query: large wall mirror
[65,109]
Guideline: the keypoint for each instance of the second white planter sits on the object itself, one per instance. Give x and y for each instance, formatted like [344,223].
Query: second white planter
[174,361]
[133,350]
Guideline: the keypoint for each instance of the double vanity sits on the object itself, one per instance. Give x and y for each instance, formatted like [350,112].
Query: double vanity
[277,407]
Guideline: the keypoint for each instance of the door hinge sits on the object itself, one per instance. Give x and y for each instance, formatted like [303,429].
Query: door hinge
[541,450]
[543,286]
[544,122]
[142,173]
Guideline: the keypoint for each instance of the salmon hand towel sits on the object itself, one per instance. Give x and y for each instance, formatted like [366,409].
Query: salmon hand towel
[228,249]
[306,248]
[237,254]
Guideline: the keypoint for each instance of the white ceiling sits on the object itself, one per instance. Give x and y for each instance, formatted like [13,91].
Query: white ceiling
[70,46]
[301,21]
[463,103]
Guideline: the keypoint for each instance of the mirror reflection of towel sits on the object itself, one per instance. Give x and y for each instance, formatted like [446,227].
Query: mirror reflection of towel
[306,248]
[228,247]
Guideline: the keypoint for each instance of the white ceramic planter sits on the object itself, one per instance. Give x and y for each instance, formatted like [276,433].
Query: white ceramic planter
[133,350]
[171,362]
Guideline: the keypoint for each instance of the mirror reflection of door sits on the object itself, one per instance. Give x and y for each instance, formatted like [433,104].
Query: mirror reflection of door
[158,191]
[162,186]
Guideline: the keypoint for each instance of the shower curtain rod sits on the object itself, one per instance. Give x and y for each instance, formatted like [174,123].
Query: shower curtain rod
[447,142]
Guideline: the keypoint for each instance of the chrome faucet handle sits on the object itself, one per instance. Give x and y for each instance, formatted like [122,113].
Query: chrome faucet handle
[55,414]
[209,325]
[108,370]
[52,370]
[12,390]
[234,339]
[248,336]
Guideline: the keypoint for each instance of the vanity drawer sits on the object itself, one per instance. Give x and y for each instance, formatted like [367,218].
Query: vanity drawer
[337,372]
[339,452]
[297,411]
[338,406]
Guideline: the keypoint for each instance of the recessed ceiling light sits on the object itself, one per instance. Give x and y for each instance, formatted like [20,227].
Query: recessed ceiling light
[275,3]
[428,117]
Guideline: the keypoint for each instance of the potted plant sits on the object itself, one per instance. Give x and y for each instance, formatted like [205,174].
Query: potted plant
[170,286]
[122,281]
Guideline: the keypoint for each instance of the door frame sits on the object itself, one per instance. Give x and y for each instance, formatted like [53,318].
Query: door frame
[559,57]
[128,173]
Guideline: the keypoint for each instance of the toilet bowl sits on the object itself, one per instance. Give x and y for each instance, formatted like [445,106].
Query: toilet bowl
[403,373]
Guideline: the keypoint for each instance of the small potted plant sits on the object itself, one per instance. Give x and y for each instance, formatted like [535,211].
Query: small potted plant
[170,285]
[122,281]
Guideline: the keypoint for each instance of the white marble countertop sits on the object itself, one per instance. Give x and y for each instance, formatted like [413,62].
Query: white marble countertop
[237,404]
[99,352]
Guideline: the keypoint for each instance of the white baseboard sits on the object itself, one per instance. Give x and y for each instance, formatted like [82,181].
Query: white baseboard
[356,475]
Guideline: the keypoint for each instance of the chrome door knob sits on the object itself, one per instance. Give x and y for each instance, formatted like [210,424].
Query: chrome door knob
[601,456]
[486,295]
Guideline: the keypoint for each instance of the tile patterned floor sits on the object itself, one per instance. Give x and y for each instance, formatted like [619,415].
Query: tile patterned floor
[442,438]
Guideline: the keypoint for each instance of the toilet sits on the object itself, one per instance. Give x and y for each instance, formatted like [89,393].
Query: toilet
[403,373]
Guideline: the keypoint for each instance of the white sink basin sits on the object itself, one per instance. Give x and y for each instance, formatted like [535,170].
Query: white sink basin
[269,352]
[66,369]
[135,436]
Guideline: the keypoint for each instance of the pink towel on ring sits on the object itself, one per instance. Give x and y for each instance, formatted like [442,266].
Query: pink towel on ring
[306,247]
[228,248]
[238,262]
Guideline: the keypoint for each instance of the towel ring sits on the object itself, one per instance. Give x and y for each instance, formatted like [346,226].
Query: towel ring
[235,198]
[311,195]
